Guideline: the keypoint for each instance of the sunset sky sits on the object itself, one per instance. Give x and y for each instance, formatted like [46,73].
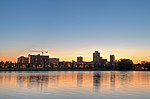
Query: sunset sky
[71,28]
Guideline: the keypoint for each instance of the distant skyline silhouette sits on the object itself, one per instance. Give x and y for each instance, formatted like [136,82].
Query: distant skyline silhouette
[71,28]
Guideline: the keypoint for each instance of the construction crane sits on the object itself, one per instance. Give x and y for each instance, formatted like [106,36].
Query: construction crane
[39,51]
[42,54]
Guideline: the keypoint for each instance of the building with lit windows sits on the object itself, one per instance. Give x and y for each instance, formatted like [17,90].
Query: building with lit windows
[54,61]
[22,60]
[38,60]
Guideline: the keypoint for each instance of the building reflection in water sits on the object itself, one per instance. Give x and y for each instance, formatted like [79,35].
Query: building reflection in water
[79,79]
[54,79]
[112,79]
[96,81]
[38,81]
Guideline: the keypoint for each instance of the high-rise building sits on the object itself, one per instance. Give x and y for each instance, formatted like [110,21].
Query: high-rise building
[96,57]
[112,58]
[38,59]
[22,60]
[79,59]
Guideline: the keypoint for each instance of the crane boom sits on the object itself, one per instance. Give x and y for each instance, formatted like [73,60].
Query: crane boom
[39,51]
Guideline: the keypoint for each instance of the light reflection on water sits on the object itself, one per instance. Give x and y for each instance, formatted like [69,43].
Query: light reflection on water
[76,85]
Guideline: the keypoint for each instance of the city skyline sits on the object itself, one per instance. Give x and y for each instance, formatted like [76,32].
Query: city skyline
[68,29]
[67,57]
[98,57]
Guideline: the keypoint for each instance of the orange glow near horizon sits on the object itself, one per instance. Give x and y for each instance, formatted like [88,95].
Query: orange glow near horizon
[69,55]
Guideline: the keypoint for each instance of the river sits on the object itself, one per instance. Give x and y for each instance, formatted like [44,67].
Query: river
[75,85]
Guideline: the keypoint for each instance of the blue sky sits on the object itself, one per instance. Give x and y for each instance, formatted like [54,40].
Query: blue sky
[114,26]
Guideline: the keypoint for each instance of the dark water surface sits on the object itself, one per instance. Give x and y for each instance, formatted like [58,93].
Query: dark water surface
[75,85]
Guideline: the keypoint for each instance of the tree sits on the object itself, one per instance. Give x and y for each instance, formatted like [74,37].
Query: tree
[1,64]
[147,65]
[125,64]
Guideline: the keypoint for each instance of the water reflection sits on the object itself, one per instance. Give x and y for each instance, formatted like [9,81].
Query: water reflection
[79,79]
[112,79]
[96,81]
[38,81]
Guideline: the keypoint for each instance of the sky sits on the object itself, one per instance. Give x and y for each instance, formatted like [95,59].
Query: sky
[71,28]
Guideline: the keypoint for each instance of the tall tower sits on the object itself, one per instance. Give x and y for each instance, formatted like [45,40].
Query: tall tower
[96,57]
[112,58]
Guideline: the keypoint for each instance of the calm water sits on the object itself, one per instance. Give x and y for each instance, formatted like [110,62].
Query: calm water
[75,85]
